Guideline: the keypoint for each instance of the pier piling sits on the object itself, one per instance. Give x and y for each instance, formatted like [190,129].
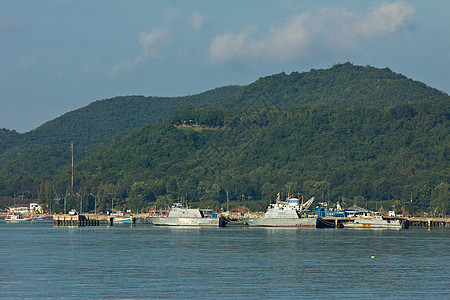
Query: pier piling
[82,220]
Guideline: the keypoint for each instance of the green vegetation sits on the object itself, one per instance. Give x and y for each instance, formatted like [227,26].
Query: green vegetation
[101,120]
[8,138]
[390,147]
[343,85]
[90,128]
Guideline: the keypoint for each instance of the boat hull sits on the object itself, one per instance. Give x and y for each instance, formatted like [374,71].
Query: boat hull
[124,220]
[207,222]
[281,222]
[375,226]
[20,220]
[329,223]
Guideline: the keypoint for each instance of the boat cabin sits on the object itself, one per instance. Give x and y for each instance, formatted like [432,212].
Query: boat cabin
[356,211]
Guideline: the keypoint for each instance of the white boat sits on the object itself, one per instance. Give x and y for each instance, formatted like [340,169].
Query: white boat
[285,214]
[182,216]
[376,221]
[124,220]
[16,218]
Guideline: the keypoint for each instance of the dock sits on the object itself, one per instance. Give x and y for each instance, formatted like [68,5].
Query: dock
[424,222]
[411,222]
[96,220]
[92,220]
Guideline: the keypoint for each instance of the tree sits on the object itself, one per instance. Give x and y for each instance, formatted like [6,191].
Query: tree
[46,194]
[440,199]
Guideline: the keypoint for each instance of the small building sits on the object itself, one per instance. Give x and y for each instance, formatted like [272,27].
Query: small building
[19,209]
[36,208]
[25,208]
[356,211]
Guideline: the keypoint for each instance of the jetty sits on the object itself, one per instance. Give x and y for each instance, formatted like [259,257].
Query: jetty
[428,222]
[91,220]
[411,222]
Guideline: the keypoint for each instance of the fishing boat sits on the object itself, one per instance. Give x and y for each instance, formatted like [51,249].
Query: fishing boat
[16,218]
[183,216]
[285,214]
[125,220]
[375,221]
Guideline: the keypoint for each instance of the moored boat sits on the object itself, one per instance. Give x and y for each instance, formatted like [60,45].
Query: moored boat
[16,218]
[285,214]
[182,216]
[125,220]
[376,221]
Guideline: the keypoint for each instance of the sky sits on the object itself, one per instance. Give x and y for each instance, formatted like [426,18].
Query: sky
[60,55]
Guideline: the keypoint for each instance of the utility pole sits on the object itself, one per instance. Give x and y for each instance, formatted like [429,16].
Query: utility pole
[228,202]
[72,172]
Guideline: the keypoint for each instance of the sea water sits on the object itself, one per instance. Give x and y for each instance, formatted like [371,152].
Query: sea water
[145,262]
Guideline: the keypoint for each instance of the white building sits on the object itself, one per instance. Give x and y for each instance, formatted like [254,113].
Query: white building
[23,208]
[18,209]
[35,207]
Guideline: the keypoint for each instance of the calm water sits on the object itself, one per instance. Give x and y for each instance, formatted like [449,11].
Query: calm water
[39,261]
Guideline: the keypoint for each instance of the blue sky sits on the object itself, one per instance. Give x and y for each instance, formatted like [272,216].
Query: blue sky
[58,56]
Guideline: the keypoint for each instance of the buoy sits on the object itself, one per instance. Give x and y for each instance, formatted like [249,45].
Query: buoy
[372,256]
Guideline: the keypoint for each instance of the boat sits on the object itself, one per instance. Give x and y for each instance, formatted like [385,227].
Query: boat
[285,214]
[125,220]
[16,218]
[323,211]
[183,216]
[375,221]
[329,217]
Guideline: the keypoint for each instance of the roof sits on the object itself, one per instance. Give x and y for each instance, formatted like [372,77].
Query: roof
[19,205]
[356,209]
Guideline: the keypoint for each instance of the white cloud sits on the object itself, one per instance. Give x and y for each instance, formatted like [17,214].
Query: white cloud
[151,43]
[329,29]
[388,18]
[196,21]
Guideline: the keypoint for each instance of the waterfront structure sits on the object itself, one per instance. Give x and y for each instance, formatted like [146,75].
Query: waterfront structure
[356,211]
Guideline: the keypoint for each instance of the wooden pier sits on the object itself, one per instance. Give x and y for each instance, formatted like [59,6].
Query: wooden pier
[425,222]
[66,220]
[411,222]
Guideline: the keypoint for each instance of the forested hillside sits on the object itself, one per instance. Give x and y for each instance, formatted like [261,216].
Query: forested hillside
[89,128]
[104,119]
[343,85]
[7,139]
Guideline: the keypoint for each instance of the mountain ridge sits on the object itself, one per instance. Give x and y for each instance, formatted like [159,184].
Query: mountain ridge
[343,85]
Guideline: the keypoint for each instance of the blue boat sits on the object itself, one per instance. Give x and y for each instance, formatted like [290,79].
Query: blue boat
[325,212]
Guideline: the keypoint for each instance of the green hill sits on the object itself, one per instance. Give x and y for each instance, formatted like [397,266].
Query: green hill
[343,85]
[8,138]
[103,119]
[47,147]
